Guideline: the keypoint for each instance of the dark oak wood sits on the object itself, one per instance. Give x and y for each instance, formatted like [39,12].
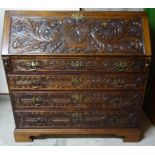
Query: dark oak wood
[76,73]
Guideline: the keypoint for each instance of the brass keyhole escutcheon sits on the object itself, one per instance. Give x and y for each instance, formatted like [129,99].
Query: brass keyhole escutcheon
[119,82]
[77,98]
[77,117]
[35,83]
[37,101]
[121,66]
[76,80]
[76,64]
[32,64]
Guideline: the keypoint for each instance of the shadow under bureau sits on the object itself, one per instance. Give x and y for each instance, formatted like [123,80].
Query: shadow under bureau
[76,73]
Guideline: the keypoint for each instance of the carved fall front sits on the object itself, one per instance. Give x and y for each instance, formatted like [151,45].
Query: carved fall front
[57,35]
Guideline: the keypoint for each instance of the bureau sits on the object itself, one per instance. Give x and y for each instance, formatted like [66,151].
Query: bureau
[76,73]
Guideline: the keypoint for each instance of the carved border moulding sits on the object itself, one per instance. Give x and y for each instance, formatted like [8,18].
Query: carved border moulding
[76,35]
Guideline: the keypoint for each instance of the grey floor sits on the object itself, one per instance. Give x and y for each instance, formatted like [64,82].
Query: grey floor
[7,127]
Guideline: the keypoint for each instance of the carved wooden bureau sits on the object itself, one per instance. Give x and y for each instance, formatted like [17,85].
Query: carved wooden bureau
[76,73]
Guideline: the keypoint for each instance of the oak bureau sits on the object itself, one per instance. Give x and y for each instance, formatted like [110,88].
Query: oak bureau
[76,73]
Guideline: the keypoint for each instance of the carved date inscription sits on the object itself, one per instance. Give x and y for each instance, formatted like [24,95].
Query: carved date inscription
[56,35]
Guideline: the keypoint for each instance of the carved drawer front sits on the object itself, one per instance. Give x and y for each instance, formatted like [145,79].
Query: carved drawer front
[76,119]
[77,99]
[80,64]
[58,82]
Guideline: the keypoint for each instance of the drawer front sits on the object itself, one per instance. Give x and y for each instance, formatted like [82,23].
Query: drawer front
[58,82]
[77,99]
[79,64]
[76,119]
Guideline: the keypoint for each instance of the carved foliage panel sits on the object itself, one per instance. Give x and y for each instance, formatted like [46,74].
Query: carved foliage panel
[76,82]
[78,100]
[56,35]
[85,119]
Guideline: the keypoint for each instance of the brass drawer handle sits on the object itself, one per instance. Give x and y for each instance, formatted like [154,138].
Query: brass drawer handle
[76,80]
[32,65]
[76,64]
[119,82]
[77,98]
[40,121]
[77,117]
[121,66]
[35,83]
[37,101]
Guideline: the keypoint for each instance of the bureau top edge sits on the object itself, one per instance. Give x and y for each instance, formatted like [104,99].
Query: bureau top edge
[75,33]
[65,13]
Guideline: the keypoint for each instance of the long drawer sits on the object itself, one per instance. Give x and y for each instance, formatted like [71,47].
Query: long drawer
[58,82]
[76,99]
[82,64]
[76,119]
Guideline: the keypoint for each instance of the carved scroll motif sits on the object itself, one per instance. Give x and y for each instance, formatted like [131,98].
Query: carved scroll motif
[66,35]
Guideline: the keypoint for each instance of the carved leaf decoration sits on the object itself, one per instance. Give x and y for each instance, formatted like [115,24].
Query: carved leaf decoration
[96,44]
[17,43]
[36,36]
[57,35]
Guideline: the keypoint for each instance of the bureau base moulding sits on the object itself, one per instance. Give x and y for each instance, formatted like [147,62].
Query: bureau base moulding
[27,135]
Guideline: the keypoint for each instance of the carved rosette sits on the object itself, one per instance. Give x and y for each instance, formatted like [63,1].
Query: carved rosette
[65,35]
